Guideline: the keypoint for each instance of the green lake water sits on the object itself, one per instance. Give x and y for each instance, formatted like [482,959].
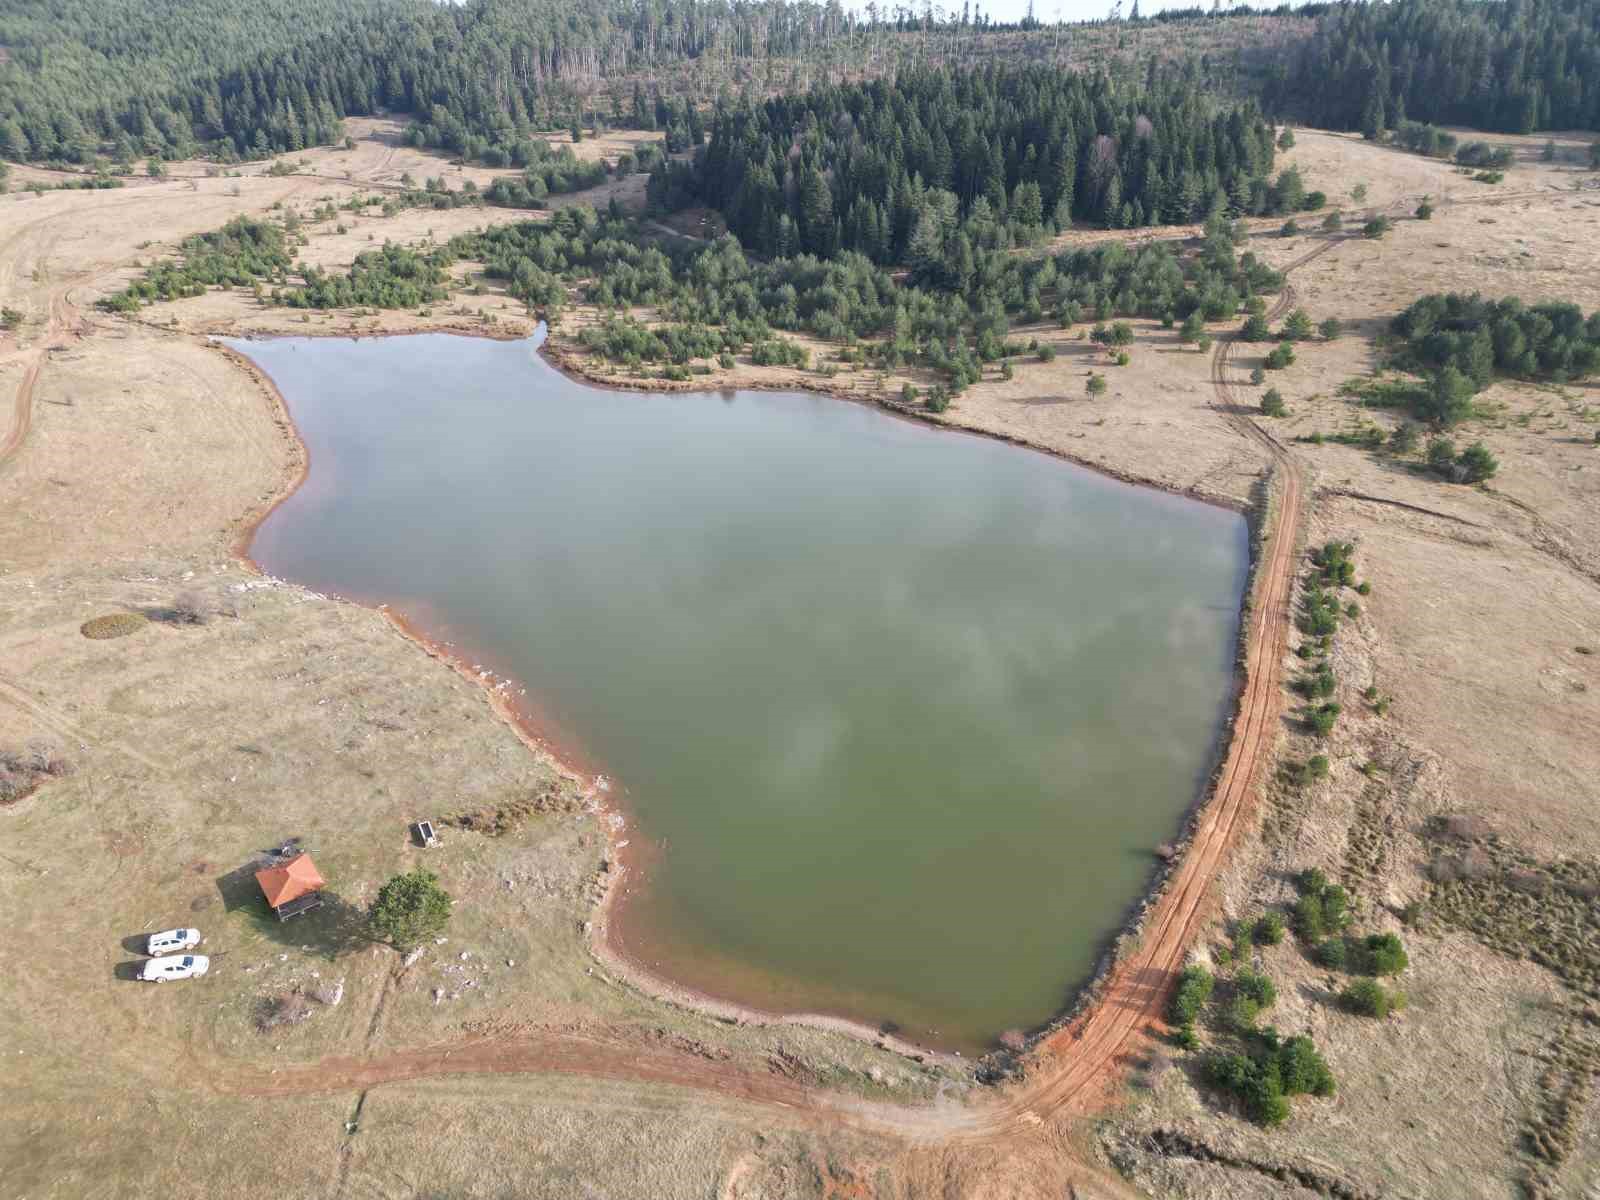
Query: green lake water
[899,713]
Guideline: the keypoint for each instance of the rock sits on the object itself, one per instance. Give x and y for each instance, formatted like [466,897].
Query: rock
[413,956]
[438,995]
[439,941]
[876,1075]
[466,954]
[511,962]
[329,995]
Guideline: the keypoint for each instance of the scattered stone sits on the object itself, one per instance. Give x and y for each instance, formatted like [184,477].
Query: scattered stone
[413,956]
[511,962]
[329,995]
[438,995]
[466,954]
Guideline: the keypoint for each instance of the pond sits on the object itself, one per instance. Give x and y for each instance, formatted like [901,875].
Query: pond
[899,712]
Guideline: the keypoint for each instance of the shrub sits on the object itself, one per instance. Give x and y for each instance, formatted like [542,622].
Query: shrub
[1335,907]
[1122,359]
[1096,385]
[725,361]
[1193,990]
[1367,998]
[1385,954]
[1258,376]
[938,399]
[1311,881]
[1291,227]
[1317,766]
[1404,438]
[1323,717]
[1047,353]
[1282,355]
[1330,329]
[1240,1014]
[190,608]
[1376,227]
[1333,222]
[1258,987]
[908,393]
[1424,211]
[290,1008]
[1268,929]
[1475,464]
[1308,924]
[1332,953]
[409,909]
[1272,404]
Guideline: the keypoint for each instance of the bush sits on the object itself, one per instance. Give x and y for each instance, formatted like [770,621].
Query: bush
[1317,766]
[1329,329]
[1323,717]
[1475,464]
[1332,953]
[1424,211]
[1290,228]
[1264,1084]
[1404,438]
[1376,227]
[1096,385]
[1256,986]
[1385,954]
[190,608]
[1268,929]
[1333,222]
[1272,404]
[1308,923]
[1311,881]
[409,909]
[1241,1013]
[1282,355]
[1047,353]
[1367,998]
[1194,989]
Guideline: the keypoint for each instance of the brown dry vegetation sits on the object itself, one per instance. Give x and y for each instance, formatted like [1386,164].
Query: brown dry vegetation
[141,454]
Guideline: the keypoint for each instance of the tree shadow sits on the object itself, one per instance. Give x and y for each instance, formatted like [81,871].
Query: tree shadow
[337,928]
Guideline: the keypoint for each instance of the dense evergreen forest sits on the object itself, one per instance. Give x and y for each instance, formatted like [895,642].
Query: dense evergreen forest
[938,166]
[132,77]
[1513,66]
[81,79]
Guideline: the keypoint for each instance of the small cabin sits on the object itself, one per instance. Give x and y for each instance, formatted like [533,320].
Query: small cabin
[292,887]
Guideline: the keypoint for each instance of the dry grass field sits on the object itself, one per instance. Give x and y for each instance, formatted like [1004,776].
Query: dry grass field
[507,1061]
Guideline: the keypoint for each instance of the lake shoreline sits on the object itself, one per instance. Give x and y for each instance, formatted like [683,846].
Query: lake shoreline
[623,851]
